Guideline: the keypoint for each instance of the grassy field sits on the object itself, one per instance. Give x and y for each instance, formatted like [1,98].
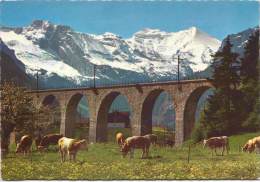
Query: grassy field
[104,162]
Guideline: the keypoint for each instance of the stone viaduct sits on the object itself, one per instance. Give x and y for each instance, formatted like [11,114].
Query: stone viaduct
[140,97]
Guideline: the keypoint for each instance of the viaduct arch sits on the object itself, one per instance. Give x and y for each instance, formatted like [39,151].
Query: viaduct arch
[50,104]
[102,115]
[147,111]
[140,97]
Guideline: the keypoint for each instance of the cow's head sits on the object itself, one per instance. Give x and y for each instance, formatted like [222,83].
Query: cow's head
[249,147]
[244,149]
[125,149]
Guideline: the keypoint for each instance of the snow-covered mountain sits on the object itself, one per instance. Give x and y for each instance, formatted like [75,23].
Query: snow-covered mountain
[239,40]
[12,69]
[61,53]
[194,46]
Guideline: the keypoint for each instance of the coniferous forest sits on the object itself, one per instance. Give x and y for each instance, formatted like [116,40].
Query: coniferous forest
[234,106]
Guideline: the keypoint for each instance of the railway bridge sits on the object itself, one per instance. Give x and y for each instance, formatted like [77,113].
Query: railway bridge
[141,99]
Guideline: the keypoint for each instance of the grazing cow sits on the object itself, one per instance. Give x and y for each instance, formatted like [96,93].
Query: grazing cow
[24,145]
[249,146]
[50,139]
[136,142]
[217,142]
[70,147]
[252,144]
[152,137]
[120,139]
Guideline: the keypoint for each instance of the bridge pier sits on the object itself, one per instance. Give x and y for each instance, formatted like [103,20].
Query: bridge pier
[92,131]
[179,122]
[62,122]
[135,123]
[64,127]
[135,103]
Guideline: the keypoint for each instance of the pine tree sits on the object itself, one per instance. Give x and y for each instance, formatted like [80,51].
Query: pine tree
[225,75]
[222,114]
[249,63]
[250,83]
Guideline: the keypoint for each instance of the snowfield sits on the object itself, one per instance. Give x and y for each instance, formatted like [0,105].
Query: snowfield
[193,45]
[34,57]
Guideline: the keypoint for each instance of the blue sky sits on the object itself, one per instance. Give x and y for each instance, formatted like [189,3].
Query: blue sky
[217,18]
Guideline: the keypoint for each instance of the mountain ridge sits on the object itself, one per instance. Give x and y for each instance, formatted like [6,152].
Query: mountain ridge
[61,53]
[41,36]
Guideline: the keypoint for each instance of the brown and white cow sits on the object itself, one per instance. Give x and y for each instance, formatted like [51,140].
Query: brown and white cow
[136,142]
[249,146]
[70,147]
[50,139]
[152,138]
[252,144]
[24,145]
[217,142]
[120,139]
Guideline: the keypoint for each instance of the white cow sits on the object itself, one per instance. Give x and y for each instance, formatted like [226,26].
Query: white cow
[70,147]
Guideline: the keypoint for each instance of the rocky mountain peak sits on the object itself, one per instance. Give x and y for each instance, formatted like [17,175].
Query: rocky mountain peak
[193,30]
[239,40]
[40,24]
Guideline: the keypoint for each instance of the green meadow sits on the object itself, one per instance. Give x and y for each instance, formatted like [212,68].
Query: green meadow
[103,161]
